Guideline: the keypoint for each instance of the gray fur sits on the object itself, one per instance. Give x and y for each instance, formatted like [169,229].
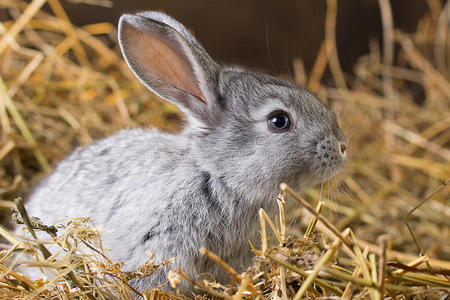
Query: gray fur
[172,194]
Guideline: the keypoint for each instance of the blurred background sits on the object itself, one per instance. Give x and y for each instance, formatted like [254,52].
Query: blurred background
[381,65]
[266,34]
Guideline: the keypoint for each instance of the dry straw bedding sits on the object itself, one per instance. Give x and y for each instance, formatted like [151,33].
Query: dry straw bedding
[62,86]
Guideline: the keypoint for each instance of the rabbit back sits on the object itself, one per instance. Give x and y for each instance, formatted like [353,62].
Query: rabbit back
[145,192]
[89,181]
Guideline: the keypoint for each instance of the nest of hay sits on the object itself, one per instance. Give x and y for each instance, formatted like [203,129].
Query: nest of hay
[62,86]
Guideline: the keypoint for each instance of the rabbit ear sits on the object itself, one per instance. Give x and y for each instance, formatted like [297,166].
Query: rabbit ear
[168,60]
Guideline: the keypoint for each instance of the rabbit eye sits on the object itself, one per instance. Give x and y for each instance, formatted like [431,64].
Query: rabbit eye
[279,121]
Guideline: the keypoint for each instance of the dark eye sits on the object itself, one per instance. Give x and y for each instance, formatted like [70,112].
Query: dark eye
[279,121]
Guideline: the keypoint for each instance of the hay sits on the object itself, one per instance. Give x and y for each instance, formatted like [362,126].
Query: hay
[62,86]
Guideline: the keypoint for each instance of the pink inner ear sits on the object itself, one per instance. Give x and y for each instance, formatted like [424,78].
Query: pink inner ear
[160,60]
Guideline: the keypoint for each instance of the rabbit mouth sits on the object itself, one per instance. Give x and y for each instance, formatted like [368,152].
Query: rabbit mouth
[326,170]
[331,171]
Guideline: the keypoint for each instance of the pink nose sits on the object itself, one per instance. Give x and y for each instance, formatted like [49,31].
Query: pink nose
[343,148]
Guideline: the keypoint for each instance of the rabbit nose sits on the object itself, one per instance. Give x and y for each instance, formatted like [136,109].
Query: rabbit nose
[343,148]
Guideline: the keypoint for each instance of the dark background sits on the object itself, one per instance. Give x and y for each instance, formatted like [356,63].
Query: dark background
[267,34]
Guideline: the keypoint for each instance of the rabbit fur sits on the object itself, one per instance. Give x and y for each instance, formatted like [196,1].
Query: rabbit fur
[172,194]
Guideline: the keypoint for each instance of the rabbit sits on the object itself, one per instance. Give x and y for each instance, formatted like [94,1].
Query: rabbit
[171,194]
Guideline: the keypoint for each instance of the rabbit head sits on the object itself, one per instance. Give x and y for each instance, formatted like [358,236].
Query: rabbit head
[250,130]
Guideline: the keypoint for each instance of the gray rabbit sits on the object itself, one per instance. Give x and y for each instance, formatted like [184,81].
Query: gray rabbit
[246,133]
